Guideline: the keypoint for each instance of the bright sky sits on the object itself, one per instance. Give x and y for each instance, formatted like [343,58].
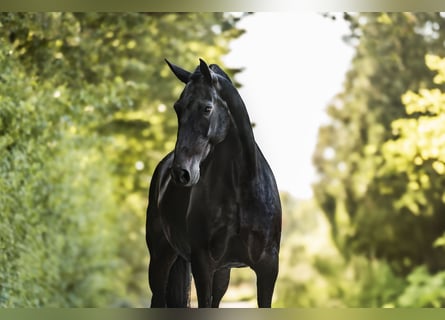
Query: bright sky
[294,64]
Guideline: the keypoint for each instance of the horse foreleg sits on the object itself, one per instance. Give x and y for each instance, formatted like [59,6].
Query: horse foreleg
[178,287]
[203,274]
[158,274]
[266,272]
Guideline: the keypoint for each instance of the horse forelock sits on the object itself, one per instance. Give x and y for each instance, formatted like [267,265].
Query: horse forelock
[197,74]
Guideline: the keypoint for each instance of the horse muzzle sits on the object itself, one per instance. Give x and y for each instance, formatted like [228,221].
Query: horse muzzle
[180,176]
[183,177]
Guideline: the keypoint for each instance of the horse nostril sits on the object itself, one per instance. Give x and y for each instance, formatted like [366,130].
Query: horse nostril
[180,175]
[184,177]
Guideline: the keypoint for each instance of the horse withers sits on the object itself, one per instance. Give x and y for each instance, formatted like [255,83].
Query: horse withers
[213,201]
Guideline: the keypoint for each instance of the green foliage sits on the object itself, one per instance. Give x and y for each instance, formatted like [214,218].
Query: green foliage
[417,150]
[375,206]
[83,121]
[382,165]
[424,290]
[314,274]
[51,227]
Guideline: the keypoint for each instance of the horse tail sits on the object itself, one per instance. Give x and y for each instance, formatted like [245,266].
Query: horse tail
[179,283]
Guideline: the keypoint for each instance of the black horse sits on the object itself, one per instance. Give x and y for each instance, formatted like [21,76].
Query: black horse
[213,201]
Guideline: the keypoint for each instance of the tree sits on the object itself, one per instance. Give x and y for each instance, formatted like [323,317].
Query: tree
[417,151]
[360,198]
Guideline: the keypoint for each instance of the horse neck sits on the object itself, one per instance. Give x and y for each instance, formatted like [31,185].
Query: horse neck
[229,161]
[240,133]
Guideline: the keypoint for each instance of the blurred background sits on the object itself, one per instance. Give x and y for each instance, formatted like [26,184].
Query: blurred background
[348,108]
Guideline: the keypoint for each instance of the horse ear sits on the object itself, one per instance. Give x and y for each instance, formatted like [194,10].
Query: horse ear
[204,68]
[180,73]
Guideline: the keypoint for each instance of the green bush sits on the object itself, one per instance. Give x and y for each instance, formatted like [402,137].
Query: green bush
[80,97]
[56,207]
[314,274]
[423,290]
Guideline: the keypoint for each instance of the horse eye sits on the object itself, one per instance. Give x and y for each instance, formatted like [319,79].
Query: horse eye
[207,110]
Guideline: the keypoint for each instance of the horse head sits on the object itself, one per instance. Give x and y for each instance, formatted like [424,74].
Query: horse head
[203,121]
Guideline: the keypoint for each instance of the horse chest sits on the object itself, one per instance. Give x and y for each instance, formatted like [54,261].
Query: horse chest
[213,226]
